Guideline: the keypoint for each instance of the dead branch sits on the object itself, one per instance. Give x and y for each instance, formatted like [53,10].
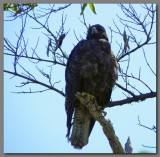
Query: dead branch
[91,105]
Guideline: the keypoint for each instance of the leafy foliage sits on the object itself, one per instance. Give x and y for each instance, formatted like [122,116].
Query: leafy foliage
[18,8]
[91,5]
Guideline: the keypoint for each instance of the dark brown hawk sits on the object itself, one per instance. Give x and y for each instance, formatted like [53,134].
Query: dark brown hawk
[91,68]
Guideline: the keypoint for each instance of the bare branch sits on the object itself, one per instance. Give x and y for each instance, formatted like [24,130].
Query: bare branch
[23,92]
[147,62]
[126,90]
[153,127]
[148,146]
[38,59]
[36,82]
[136,98]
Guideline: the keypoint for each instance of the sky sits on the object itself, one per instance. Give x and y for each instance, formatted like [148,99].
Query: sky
[36,123]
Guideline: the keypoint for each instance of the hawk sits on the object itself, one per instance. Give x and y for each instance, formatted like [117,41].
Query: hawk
[91,68]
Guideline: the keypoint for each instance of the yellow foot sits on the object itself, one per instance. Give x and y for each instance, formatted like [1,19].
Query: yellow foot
[88,96]
[85,98]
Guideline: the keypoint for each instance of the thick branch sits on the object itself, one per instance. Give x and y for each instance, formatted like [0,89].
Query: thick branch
[90,103]
[135,98]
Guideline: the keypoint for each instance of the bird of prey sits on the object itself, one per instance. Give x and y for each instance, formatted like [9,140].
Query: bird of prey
[91,68]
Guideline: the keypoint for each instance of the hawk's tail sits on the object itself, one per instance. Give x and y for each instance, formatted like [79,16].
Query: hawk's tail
[81,127]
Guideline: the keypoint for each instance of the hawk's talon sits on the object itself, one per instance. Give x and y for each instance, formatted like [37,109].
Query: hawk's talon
[86,97]
[100,109]
[104,113]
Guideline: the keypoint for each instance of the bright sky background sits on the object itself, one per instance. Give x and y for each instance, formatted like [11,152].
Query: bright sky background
[36,123]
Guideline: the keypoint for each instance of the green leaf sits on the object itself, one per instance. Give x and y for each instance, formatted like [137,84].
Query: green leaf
[144,152]
[5,7]
[92,8]
[33,6]
[30,5]
[14,8]
[83,7]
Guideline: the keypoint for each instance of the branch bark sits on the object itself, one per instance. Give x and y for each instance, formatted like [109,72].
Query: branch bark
[90,103]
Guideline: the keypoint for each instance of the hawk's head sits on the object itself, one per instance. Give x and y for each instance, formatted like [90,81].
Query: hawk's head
[97,32]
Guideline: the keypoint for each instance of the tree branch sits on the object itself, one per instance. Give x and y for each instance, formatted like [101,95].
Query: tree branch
[153,127]
[37,59]
[36,82]
[135,98]
[90,103]
[148,146]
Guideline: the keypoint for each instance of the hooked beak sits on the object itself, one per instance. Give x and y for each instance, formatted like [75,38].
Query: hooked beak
[94,30]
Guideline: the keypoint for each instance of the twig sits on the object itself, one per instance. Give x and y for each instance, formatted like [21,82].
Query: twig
[147,62]
[36,82]
[23,92]
[148,146]
[38,59]
[153,127]
[126,90]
